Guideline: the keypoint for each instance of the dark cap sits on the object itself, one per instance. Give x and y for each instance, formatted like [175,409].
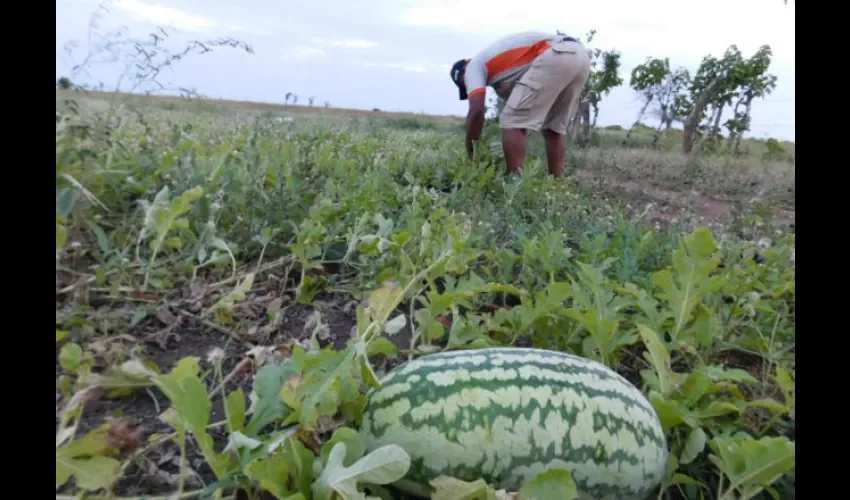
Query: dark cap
[455,74]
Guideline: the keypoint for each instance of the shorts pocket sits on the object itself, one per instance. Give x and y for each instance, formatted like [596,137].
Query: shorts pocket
[566,47]
[522,96]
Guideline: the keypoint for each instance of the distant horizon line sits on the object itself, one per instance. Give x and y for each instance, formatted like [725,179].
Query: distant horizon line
[245,102]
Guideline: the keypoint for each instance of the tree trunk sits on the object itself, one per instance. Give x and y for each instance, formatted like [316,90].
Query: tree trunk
[747,110]
[715,128]
[640,115]
[735,132]
[693,119]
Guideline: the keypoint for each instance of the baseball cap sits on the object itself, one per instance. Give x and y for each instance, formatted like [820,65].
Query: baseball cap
[455,74]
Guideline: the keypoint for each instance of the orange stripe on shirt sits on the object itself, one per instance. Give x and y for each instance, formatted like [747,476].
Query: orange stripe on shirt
[515,57]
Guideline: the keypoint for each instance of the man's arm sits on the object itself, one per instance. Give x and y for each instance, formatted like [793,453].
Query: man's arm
[474,120]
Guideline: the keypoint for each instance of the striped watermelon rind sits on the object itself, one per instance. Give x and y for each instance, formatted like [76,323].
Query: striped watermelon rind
[508,414]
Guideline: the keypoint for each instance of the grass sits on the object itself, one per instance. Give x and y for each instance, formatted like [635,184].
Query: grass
[225,278]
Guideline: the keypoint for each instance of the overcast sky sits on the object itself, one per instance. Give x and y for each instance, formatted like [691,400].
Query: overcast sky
[395,54]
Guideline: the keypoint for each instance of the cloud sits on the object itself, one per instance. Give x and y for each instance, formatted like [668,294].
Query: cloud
[355,44]
[411,67]
[633,27]
[163,15]
[305,53]
[348,44]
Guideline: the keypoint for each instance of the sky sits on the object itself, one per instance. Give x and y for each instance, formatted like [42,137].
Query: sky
[395,55]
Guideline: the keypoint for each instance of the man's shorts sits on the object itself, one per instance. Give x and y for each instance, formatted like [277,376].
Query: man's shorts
[547,94]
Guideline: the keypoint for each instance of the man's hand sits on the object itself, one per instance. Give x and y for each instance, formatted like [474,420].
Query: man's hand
[474,121]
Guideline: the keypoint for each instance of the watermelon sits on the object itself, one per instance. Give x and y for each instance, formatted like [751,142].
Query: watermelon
[508,414]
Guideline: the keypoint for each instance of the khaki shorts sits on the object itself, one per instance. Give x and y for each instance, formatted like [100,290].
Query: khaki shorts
[547,94]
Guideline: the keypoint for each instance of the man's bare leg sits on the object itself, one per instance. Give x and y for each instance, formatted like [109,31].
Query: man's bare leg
[513,144]
[554,152]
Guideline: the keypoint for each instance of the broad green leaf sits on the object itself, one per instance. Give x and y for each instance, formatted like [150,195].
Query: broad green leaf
[381,345]
[188,396]
[668,411]
[717,409]
[326,379]
[90,473]
[696,386]
[658,356]
[70,357]
[266,405]
[769,404]
[748,462]
[721,374]
[553,484]
[694,444]
[60,334]
[449,488]
[354,445]
[384,300]
[272,474]
[235,404]
[301,460]
[384,465]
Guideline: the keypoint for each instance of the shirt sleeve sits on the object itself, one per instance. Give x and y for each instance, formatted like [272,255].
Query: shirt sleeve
[475,77]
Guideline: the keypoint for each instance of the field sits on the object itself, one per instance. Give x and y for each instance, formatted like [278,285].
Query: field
[230,278]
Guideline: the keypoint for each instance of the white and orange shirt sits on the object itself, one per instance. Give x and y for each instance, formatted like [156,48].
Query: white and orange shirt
[505,61]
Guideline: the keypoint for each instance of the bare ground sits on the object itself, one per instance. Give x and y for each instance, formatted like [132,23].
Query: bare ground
[670,205]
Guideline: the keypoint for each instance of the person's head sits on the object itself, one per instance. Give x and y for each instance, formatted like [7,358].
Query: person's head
[457,73]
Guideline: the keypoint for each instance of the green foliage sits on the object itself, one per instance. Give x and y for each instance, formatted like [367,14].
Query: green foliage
[228,223]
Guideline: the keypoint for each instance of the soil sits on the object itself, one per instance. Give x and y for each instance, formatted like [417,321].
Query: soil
[670,204]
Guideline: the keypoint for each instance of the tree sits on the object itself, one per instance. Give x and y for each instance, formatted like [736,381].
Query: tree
[287,98]
[64,83]
[327,104]
[604,77]
[310,100]
[713,87]
[659,85]
[754,83]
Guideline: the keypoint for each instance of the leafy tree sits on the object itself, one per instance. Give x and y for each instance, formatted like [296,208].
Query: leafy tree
[64,83]
[310,100]
[754,83]
[604,77]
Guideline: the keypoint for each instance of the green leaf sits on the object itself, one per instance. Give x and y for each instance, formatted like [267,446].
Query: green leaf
[381,345]
[70,357]
[658,356]
[748,462]
[301,460]
[354,445]
[384,465]
[449,488]
[60,334]
[696,386]
[553,484]
[326,379]
[272,474]
[769,404]
[722,374]
[91,473]
[717,409]
[235,405]
[187,393]
[384,300]
[266,405]
[694,444]
[668,412]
